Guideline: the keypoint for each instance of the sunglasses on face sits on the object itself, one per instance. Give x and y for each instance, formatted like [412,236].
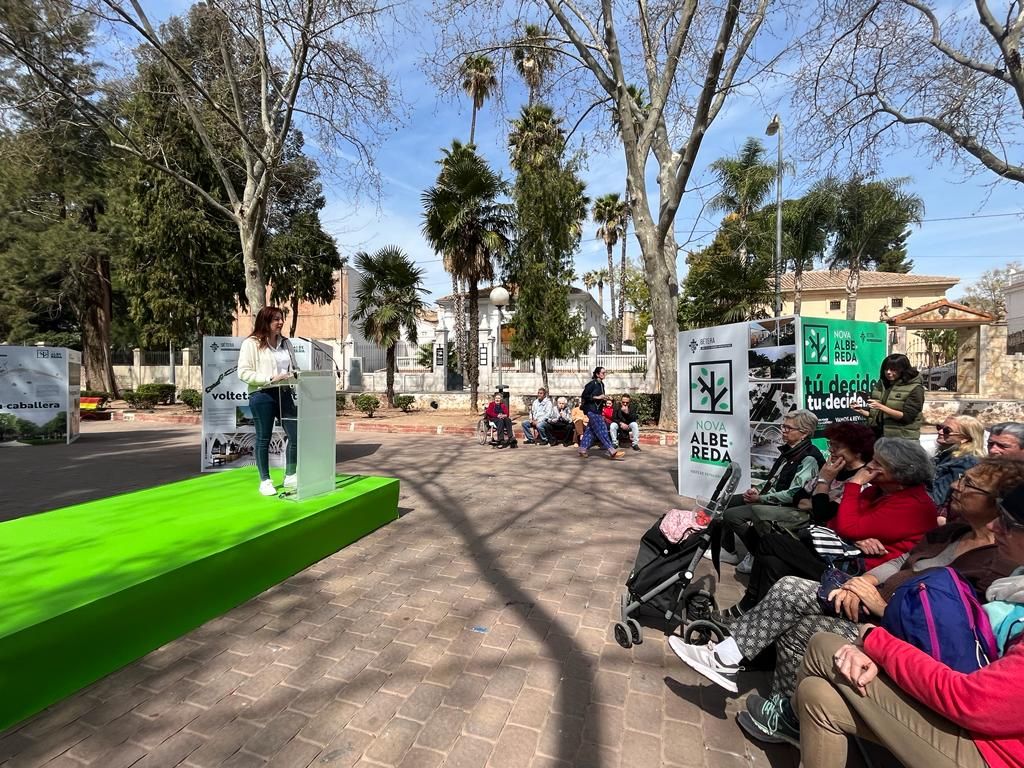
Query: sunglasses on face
[947,431]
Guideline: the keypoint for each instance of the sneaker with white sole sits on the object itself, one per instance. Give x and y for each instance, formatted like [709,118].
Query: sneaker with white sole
[771,720]
[291,481]
[724,556]
[703,659]
[746,565]
[267,488]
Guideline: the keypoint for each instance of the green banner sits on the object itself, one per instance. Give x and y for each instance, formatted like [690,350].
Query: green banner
[840,360]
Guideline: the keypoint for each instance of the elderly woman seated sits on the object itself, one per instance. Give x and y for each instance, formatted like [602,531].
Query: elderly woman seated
[928,715]
[851,447]
[960,442]
[773,502]
[791,613]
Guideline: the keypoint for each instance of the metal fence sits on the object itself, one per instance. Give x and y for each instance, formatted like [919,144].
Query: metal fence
[938,373]
[375,358]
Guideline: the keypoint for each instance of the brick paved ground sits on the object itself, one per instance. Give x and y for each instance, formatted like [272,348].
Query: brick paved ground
[474,631]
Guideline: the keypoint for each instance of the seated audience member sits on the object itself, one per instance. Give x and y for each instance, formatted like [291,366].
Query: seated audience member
[560,428]
[885,690]
[798,462]
[579,420]
[607,412]
[1007,439]
[778,554]
[542,410]
[624,418]
[960,442]
[497,414]
[791,613]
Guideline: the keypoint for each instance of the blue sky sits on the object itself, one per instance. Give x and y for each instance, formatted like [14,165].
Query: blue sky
[965,231]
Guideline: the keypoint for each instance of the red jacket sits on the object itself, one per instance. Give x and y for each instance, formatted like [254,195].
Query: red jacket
[896,519]
[987,702]
[496,410]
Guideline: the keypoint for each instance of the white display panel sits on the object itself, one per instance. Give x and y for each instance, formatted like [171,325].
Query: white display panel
[316,433]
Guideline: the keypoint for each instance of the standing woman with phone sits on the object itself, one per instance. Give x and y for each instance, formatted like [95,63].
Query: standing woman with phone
[896,402]
[264,359]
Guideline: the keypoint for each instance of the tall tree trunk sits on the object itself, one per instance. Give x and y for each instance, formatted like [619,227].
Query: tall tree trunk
[473,361]
[96,315]
[295,312]
[250,232]
[798,286]
[852,286]
[544,373]
[459,310]
[390,386]
[611,293]
[600,296]
[622,283]
[472,123]
[657,256]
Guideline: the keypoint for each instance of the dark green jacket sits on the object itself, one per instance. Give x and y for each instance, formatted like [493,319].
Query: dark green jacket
[907,398]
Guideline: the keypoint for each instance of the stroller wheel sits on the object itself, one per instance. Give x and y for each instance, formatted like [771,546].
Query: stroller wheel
[622,635]
[702,633]
[635,630]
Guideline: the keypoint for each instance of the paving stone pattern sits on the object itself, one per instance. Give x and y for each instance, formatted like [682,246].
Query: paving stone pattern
[474,631]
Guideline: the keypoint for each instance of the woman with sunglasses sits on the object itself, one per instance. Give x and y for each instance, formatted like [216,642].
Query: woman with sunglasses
[791,614]
[961,443]
[884,690]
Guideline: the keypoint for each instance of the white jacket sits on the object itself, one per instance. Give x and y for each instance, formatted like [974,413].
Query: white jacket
[543,410]
[256,367]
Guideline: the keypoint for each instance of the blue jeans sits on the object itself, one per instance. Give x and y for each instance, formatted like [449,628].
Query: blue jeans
[541,429]
[267,405]
[634,432]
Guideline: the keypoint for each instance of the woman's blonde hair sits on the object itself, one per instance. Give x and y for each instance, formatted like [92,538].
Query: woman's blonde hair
[973,430]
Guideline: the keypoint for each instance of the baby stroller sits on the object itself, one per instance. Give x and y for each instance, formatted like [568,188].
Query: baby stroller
[663,572]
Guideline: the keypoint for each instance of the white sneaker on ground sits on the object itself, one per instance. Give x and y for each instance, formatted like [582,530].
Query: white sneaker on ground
[267,488]
[702,659]
[728,558]
[291,481]
[746,565]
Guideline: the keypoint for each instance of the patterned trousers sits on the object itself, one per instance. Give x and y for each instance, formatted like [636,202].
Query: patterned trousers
[596,430]
[789,616]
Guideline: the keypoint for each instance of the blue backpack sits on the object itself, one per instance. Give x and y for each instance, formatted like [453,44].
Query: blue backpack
[939,613]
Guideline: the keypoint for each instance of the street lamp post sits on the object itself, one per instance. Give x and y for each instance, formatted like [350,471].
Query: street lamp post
[775,127]
[499,298]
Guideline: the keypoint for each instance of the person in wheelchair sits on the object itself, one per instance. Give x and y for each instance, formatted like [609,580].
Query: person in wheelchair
[497,415]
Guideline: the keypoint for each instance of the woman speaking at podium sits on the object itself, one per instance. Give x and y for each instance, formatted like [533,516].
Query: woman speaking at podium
[264,359]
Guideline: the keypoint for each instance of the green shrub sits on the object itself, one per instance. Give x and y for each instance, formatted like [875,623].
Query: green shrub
[193,398]
[139,400]
[339,402]
[367,404]
[164,393]
[105,397]
[405,402]
[648,407]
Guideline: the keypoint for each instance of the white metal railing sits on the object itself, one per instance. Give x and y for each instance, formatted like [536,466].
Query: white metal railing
[1017,278]
[408,363]
[620,362]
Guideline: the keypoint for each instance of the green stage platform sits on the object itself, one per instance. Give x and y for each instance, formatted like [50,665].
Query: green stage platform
[89,588]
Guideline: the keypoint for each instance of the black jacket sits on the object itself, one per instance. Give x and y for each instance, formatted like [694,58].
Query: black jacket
[618,415]
[784,469]
[594,388]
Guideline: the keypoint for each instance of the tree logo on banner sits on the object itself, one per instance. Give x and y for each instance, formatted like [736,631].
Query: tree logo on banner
[711,387]
[816,345]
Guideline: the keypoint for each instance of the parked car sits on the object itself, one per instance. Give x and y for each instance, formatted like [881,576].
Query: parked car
[940,377]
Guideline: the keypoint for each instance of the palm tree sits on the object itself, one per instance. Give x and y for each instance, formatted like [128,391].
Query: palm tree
[533,59]
[464,221]
[478,81]
[388,301]
[746,180]
[596,277]
[805,227]
[610,213]
[871,219]
[535,137]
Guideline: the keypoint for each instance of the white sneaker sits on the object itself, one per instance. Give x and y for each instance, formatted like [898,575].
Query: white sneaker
[728,558]
[746,564]
[291,481]
[702,659]
[267,488]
